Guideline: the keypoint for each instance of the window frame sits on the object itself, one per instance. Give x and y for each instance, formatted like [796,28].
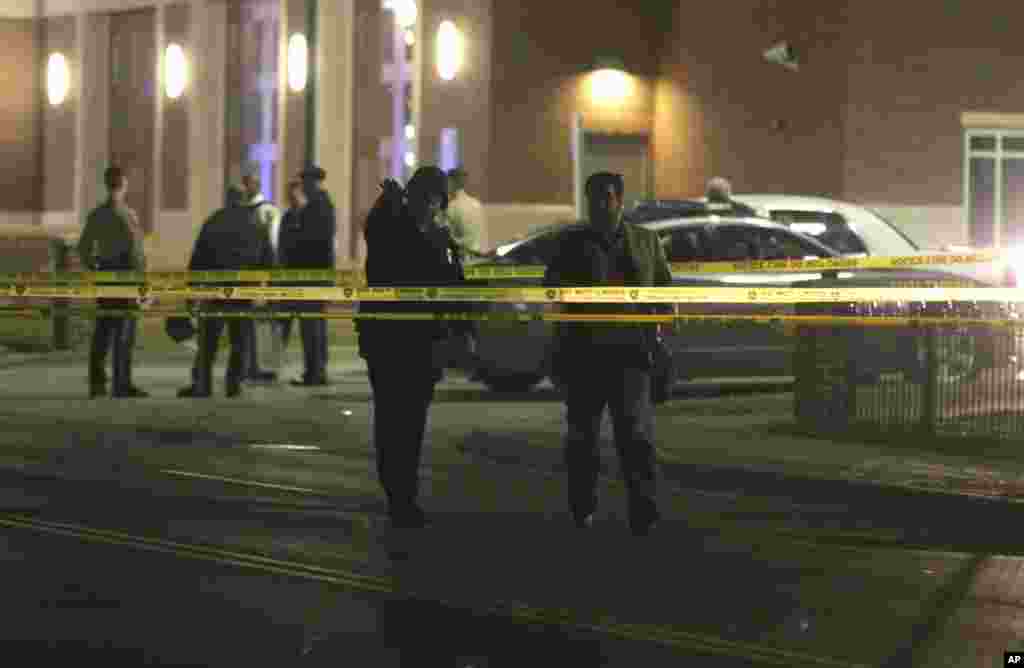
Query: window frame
[999,155]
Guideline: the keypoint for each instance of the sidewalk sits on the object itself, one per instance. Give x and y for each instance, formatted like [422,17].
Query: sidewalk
[493,479]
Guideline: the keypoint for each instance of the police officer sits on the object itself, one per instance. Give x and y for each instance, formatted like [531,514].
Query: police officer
[308,243]
[112,240]
[609,364]
[228,241]
[407,247]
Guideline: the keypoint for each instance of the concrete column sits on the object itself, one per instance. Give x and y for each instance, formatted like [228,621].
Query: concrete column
[157,194]
[94,113]
[333,133]
[208,23]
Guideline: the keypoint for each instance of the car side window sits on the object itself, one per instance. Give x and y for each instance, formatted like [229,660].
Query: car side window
[828,227]
[683,245]
[535,251]
[781,245]
[732,243]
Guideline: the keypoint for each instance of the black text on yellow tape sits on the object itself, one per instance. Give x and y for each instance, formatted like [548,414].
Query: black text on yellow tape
[537,295]
[357,278]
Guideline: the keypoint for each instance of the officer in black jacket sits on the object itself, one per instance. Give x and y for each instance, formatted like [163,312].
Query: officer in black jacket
[407,247]
[306,241]
[228,241]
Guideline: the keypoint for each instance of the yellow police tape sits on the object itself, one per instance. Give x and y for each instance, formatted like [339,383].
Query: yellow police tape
[788,319]
[357,278]
[531,295]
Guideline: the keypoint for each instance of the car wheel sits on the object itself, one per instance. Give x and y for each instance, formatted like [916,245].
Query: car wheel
[510,382]
[956,357]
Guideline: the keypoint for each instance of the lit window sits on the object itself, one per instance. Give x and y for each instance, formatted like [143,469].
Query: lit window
[58,78]
[175,71]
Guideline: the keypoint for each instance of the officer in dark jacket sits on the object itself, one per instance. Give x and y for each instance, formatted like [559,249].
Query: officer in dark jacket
[228,241]
[306,241]
[407,247]
[609,364]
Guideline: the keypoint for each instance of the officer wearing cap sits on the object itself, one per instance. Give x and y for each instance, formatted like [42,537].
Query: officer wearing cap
[407,247]
[308,243]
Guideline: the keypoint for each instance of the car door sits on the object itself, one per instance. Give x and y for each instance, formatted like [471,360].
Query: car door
[738,347]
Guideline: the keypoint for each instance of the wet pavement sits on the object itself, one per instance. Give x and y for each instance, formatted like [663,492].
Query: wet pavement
[774,546]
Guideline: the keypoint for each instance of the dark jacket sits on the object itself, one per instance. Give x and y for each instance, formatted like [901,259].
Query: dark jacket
[306,237]
[399,254]
[230,240]
[584,259]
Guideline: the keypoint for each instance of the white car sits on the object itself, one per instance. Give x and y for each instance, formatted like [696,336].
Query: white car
[852,229]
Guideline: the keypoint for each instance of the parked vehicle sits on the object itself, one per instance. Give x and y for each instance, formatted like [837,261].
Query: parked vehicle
[513,355]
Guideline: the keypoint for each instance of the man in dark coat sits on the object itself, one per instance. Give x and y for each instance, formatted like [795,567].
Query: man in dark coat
[112,240]
[228,241]
[609,364]
[307,242]
[407,247]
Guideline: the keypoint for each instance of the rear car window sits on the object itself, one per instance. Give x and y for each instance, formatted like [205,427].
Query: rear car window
[827,227]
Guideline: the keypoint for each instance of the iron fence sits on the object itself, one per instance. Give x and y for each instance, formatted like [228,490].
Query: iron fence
[930,380]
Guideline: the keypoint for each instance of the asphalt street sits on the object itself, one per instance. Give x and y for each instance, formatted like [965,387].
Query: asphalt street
[253,532]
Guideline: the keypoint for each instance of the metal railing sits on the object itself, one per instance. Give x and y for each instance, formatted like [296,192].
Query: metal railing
[930,380]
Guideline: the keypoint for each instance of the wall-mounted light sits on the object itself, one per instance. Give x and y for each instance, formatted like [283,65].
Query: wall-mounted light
[58,78]
[298,63]
[410,159]
[405,11]
[175,71]
[609,82]
[449,50]
[410,37]
[410,132]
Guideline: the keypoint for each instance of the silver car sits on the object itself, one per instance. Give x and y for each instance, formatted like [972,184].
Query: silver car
[514,356]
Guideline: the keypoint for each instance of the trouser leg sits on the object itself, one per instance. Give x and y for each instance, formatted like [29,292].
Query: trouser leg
[102,333]
[124,346]
[633,423]
[585,401]
[209,336]
[401,401]
[238,332]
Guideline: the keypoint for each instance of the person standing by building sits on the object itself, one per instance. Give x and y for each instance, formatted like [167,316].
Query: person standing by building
[112,240]
[465,214]
[267,216]
[311,246]
[407,247]
[228,241]
[289,247]
[609,364]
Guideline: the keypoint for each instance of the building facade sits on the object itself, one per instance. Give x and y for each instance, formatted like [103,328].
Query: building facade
[924,125]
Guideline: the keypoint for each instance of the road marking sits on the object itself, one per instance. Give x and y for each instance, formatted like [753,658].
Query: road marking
[239,481]
[608,626]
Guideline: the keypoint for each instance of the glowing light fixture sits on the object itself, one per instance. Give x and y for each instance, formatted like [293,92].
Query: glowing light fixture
[410,38]
[405,11]
[175,71]
[298,63]
[610,86]
[449,50]
[58,78]
[410,131]
[410,159]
